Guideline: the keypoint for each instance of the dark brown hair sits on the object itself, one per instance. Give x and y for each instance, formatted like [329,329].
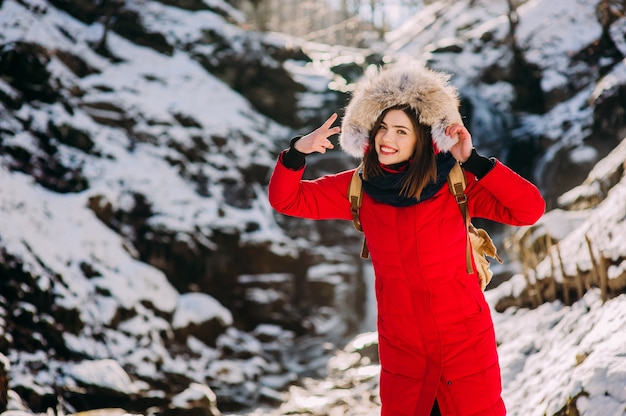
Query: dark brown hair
[421,170]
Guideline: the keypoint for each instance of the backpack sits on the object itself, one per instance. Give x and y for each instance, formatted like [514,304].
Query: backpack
[479,245]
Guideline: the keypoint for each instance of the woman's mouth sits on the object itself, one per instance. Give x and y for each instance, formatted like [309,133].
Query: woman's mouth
[386,150]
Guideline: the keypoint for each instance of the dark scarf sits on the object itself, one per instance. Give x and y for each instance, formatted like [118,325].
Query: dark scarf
[385,188]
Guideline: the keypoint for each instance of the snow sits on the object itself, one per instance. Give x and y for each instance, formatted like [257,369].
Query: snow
[542,29]
[610,82]
[197,308]
[228,372]
[554,352]
[195,393]
[617,31]
[64,235]
[598,179]
[102,373]
[54,234]
[559,223]
[603,227]
[583,154]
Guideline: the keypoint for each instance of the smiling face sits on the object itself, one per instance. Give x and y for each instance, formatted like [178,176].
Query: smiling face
[396,138]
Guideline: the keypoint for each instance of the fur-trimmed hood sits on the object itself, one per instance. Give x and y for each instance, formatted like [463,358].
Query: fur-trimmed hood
[428,92]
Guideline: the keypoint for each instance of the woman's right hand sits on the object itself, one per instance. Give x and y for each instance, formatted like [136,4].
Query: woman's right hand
[317,140]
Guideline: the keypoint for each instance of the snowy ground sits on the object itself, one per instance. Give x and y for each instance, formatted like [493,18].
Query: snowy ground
[556,352]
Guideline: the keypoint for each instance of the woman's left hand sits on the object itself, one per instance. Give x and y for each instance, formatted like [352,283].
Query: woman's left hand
[463,149]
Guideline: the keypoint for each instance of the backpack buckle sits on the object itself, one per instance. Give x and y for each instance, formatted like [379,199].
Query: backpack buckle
[461,198]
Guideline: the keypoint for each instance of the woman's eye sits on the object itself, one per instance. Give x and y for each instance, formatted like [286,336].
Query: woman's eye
[401,132]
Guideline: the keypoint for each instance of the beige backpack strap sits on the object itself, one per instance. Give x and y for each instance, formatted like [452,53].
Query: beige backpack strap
[457,184]
[355,196]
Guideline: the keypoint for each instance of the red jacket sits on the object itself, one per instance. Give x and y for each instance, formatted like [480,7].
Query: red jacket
[436,336]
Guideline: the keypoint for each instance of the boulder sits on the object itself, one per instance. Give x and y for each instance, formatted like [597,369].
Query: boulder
[26,66]
[201,316]
[196,400]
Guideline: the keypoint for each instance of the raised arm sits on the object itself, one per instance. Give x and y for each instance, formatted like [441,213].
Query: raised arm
[504,196]
[323,198]
[495,192]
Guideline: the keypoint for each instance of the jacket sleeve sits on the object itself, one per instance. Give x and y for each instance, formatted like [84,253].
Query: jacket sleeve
[322,198]
[504,196]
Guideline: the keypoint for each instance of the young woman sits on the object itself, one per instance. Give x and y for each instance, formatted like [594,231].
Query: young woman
[436,335]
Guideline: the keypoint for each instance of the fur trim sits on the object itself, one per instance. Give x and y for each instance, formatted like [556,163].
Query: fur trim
[428,92]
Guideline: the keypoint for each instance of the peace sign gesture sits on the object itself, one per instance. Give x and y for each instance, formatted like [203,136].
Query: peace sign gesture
[317,141]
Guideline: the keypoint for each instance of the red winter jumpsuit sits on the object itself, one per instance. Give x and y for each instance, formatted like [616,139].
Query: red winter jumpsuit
[436,335]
